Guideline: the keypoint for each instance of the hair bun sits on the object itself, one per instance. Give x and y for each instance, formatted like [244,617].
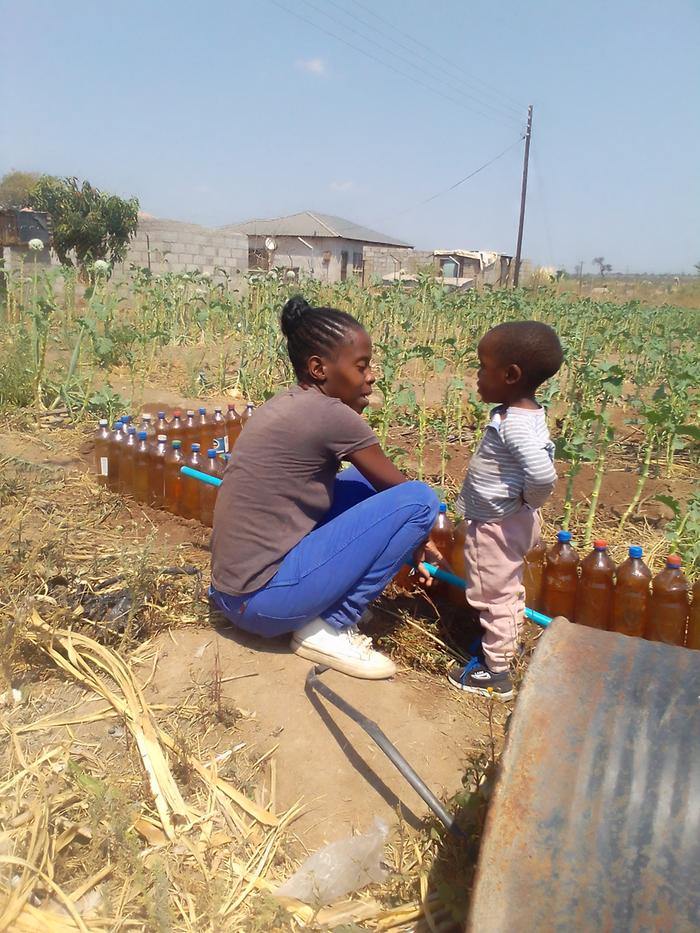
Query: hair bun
[292,314]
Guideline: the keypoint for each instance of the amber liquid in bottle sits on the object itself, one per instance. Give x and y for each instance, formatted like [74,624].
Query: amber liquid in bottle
[630,608]
[156,473]
[533,572]
[127,463]
[208,493]
[189,498]
[233,427]
[142,458]
[172,478]
[669,606]
[596,586]
[560,579]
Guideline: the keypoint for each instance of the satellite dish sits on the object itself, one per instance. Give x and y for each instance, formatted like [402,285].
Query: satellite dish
[270,244]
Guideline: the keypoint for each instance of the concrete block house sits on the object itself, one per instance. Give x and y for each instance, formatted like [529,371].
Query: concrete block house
[329,248]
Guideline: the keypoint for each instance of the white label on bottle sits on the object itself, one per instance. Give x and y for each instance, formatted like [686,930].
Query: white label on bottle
[104,466]
[226,444]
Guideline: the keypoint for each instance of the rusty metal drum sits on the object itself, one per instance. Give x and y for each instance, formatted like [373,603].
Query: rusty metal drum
[595,819]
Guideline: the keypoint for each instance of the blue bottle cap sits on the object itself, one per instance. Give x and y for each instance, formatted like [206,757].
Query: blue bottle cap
[161,414]
[635,551]
[211,454]
[131,430]
[142,435]
[177,444]
[227,457]
[202,411]
[195,448]
[564,536]
[443,507]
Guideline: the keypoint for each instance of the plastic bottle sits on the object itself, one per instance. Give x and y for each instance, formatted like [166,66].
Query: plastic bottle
[162,425]
[456,594]
[203,429]
[147,426]
[218,436]
[234,427]
[156,470]
[560,578]
[533,571]
[596,587]
[126,463]
[630,608]
[692,638]
[207,493]
[247,414]
[172,478]
[176,429]
[189,497]
[442,536]
[668,609]
[102,438]
[190,433]
[142,462]
[116,439]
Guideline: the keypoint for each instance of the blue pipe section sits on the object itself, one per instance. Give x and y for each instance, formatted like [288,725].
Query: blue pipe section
[537,617]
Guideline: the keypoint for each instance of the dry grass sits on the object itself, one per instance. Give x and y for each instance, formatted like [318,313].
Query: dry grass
[163,831]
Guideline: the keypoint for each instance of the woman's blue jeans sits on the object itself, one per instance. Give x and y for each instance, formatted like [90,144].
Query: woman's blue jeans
[344,563]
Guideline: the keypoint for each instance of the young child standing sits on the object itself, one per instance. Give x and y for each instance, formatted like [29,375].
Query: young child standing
[509,477]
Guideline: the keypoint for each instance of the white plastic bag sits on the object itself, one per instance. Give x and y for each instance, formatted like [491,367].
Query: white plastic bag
[339,868]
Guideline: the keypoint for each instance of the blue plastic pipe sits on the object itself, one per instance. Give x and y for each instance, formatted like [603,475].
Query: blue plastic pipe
[202,477]
[537,617]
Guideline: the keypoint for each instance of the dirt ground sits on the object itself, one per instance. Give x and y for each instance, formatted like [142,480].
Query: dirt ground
[323,758]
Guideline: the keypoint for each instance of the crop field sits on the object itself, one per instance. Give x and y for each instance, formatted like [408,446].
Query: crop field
[147,779]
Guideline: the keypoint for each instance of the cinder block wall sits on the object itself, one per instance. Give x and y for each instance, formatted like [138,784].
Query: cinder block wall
[383,260]
[173,246]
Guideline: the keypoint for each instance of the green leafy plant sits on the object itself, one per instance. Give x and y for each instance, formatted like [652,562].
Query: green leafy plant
[88,224]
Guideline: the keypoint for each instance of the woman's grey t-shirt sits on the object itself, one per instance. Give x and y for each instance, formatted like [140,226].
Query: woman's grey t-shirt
[279,483]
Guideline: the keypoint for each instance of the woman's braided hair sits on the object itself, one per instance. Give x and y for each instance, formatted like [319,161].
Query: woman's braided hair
[313,331]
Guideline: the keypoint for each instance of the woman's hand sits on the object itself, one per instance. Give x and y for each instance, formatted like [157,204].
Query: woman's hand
[430,554]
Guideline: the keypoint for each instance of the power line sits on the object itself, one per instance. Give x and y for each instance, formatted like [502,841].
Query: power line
[520,107]
[506,111]
[380,61]
[461,181]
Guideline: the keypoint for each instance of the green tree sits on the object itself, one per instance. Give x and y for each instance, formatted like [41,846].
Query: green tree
[16,188]
[88,223]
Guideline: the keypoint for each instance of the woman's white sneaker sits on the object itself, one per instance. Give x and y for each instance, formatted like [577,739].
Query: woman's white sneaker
[343,649]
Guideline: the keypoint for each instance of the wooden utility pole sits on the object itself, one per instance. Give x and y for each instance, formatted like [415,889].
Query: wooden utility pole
[523,195]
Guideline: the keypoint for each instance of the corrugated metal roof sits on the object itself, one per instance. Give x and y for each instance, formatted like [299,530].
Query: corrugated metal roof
[311,224]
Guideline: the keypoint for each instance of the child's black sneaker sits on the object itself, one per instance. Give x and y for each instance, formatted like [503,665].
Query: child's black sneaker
[475,677]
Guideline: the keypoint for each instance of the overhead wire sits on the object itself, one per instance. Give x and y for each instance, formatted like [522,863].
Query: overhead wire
[384,63]
[515,105]
[506,111]
[456,184]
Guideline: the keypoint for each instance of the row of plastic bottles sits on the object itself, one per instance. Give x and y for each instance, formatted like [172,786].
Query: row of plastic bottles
[621,599]
[145,463]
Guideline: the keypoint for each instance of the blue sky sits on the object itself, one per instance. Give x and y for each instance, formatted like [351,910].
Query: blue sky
[215,112]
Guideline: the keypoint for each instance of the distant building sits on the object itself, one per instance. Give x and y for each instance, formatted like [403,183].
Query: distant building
[329,248]
[457,268]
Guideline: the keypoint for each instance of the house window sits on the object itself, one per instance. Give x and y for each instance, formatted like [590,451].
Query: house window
[257,259]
